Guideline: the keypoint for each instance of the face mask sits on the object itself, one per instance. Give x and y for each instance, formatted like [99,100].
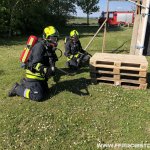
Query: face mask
[53,39]
[49,44]
[75,39]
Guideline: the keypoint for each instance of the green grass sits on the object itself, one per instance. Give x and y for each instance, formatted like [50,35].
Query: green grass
[77,115]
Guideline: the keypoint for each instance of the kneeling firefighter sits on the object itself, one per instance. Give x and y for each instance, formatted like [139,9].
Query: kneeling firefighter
[76,56]
[39,68]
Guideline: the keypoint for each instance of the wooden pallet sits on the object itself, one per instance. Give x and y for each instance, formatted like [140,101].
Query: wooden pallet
[118,69]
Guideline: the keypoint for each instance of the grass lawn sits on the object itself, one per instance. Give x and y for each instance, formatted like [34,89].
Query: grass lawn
[77,115]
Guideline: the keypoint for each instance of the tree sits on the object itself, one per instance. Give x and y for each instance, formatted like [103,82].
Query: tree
[88,7]
[31,16]
[8,11]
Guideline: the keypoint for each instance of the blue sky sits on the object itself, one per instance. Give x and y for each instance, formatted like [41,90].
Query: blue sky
[114,5]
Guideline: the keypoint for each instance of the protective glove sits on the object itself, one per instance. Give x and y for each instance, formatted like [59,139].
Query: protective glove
[86,53]
[47,71]
[70,57]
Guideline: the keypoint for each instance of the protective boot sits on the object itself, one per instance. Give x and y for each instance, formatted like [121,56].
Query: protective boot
[12,92]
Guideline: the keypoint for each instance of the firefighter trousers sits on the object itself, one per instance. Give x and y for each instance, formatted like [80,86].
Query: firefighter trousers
[78,62]
[32,89]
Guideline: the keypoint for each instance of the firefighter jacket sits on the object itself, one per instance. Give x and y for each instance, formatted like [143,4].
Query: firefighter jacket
[73,48]
[41,57]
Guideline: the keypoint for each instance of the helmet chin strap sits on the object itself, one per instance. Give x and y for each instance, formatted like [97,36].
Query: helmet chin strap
[53,44]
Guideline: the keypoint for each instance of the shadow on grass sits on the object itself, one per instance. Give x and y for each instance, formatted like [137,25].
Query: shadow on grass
[118,50]
[66,71]
[76,86]
[148,80]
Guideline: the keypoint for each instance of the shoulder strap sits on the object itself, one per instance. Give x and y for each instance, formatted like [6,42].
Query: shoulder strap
[67,38]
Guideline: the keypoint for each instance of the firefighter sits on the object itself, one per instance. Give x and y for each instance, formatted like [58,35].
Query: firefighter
[40,67]
[76,56]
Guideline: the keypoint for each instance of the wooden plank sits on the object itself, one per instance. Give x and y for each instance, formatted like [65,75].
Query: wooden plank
[142,28]
[147,39]
[111,58]
[122,84]
[119,71]
[141,68]
[134,34]
[120,78]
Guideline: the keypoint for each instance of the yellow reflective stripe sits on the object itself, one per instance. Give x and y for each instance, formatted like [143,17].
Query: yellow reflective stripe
[38,66]
[27,93]
[32,75]
[27,50]
[45,70]
[76,55]
[31,41]
[70,57]
[25,54]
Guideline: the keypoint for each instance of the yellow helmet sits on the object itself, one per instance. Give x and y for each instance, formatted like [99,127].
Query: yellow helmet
[74,33]
[50,31]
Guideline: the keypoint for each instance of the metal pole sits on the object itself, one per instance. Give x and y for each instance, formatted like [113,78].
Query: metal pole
[95,34]
[105,29]
[144,20]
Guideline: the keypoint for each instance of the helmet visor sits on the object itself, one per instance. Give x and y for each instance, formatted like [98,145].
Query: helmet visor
[75,38]
[52,39]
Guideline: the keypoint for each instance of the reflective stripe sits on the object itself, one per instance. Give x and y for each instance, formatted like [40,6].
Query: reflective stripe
[27,49]
[31,41]
[25,54]
[45,70]
[32,75]
[70,57]
[26,93]
[76,55]
[38,66]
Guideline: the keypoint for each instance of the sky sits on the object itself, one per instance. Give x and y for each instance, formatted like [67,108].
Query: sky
[113,6]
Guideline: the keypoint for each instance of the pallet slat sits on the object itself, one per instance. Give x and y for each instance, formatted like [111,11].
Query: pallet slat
[121,83]
[119,71]
[121,78]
